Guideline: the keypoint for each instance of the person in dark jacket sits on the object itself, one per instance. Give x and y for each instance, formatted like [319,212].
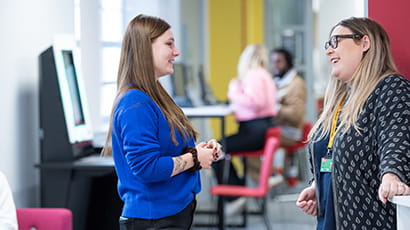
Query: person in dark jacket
[360,145]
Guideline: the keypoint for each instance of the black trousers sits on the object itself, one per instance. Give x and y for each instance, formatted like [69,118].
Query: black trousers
[180,221]
[250,136]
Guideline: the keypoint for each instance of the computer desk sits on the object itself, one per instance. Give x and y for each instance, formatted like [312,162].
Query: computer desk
[87,186]
[210,111]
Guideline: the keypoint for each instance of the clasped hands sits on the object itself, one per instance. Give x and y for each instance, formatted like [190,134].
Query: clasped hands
[208,152]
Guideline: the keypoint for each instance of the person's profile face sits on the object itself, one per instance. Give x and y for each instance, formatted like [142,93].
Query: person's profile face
[164,53]
[279,64]
[347,55]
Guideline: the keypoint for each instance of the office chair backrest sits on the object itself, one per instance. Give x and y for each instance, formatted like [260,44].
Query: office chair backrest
[44,219]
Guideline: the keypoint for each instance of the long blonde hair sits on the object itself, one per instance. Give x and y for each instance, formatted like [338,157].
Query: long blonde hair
[136,71]
[253,56]
[377,62]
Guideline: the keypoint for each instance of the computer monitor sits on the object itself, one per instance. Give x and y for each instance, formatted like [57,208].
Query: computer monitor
[72,92]
[206,93]
[64,116]
[179,82]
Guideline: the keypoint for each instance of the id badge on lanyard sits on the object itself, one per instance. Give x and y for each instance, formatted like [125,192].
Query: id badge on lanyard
[326,163]
[327,160]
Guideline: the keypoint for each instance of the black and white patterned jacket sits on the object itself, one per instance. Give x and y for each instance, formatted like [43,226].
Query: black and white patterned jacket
[360,159]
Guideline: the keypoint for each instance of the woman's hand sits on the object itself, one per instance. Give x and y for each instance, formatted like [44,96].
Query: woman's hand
[213,144]
[205,155]
[307,200]
[391,186]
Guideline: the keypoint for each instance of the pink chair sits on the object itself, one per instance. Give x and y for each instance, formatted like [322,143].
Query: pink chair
[44,219]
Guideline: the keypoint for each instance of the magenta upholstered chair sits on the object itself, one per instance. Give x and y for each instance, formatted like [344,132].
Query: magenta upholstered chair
[44,219]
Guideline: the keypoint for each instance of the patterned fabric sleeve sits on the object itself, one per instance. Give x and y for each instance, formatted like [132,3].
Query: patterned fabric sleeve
[393,112]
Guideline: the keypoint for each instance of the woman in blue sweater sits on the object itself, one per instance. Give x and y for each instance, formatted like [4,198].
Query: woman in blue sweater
[152,141]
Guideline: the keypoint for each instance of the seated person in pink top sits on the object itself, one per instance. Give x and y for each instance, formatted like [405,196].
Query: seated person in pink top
[252,95]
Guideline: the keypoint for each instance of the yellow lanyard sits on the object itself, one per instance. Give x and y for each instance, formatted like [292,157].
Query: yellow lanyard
[334,129]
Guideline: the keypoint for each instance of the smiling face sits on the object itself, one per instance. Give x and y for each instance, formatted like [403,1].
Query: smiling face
[164,52]
[346,57]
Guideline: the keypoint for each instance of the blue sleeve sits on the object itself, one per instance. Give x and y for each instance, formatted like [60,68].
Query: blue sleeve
[139,127]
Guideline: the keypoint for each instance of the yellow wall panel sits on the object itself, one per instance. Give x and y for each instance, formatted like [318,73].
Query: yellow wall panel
[224,43]
[255,25]
[232,25]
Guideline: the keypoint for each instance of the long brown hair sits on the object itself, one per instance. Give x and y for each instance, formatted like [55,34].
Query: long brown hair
[377,62]
[136,71]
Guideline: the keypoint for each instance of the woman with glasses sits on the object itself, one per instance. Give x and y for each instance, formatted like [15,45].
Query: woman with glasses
[360,145]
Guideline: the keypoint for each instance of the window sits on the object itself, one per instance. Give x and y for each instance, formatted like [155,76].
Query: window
[112,27]
[103,23]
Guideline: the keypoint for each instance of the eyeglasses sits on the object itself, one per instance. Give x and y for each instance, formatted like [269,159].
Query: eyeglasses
[334,40]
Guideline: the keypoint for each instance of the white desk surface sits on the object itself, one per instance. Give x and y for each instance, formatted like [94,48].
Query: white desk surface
[403,211]
[95,160]
[402,200]
[207,111]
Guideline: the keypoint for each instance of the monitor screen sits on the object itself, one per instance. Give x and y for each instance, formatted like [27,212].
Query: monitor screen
[179,83]
[178,80]
[72,91]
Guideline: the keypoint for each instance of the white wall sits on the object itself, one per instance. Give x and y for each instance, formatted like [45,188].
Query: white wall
[91,60]
[27,28]
[329,13]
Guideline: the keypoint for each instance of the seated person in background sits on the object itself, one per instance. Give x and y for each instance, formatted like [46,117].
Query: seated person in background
[291,98]
[8,216]
[290,102]
[252,96]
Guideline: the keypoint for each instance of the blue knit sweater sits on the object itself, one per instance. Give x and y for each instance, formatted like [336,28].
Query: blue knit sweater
[143,151]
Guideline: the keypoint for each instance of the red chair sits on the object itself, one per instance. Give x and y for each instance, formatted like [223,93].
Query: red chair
[272,142]
[44,219]
[300,144]
[291,149]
